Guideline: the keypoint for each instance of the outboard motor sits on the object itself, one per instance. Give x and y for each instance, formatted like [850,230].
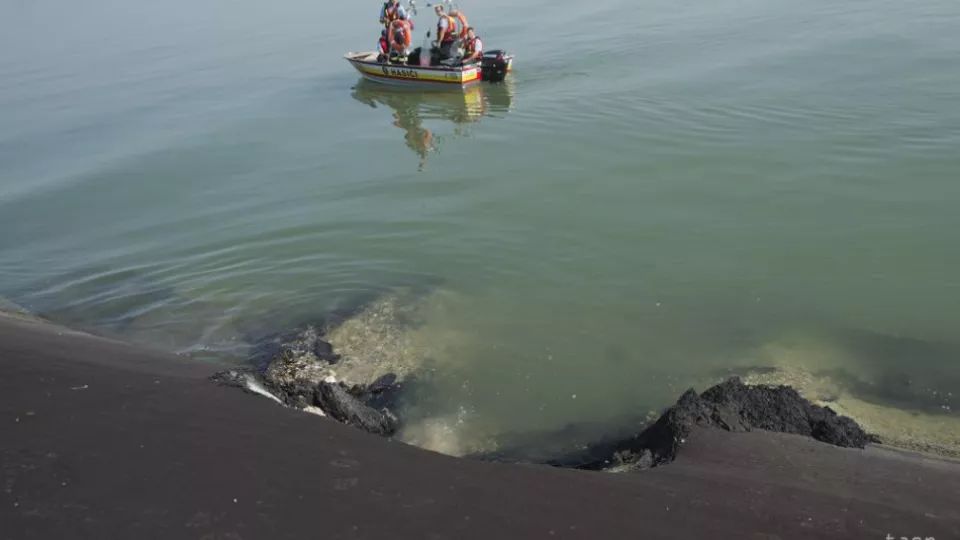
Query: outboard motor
[493,66]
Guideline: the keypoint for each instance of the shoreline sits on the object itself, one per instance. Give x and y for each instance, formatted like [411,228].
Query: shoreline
[351,354]
[104,439]
[893,425]
[857,373]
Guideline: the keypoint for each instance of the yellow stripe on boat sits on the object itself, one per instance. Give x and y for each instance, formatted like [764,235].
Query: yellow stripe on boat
[413,74]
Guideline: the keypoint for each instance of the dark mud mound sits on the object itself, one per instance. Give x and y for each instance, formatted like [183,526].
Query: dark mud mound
[337,402]
[357,406]
[301,375]
[735,405]
[731,406]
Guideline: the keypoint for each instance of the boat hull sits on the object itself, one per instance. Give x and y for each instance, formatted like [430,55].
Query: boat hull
[416,76]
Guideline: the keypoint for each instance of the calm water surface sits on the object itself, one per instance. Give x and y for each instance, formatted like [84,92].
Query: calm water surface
[643,203]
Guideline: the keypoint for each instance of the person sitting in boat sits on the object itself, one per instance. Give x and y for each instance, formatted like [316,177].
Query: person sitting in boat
[472,47]
[446,34]
[393,11]
[383,46]
[394,42]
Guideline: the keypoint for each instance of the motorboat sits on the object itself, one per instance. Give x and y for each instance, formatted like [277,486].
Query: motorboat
[410,70]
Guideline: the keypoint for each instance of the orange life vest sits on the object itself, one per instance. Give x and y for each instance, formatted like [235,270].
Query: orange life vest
[396,26]
[470,46]
[391,14]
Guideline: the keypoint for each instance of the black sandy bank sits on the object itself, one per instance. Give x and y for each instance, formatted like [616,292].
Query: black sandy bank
[99,439]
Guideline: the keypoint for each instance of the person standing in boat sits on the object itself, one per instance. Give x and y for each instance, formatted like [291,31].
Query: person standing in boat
[472,47]
[446,33]
[392,11]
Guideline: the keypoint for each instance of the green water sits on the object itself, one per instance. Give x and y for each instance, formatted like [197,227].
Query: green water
[660,189]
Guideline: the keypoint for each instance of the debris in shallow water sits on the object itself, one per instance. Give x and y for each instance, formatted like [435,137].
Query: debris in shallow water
[574,396]
[254,386]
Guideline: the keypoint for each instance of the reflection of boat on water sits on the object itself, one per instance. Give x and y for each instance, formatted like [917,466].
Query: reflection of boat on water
[412,108]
